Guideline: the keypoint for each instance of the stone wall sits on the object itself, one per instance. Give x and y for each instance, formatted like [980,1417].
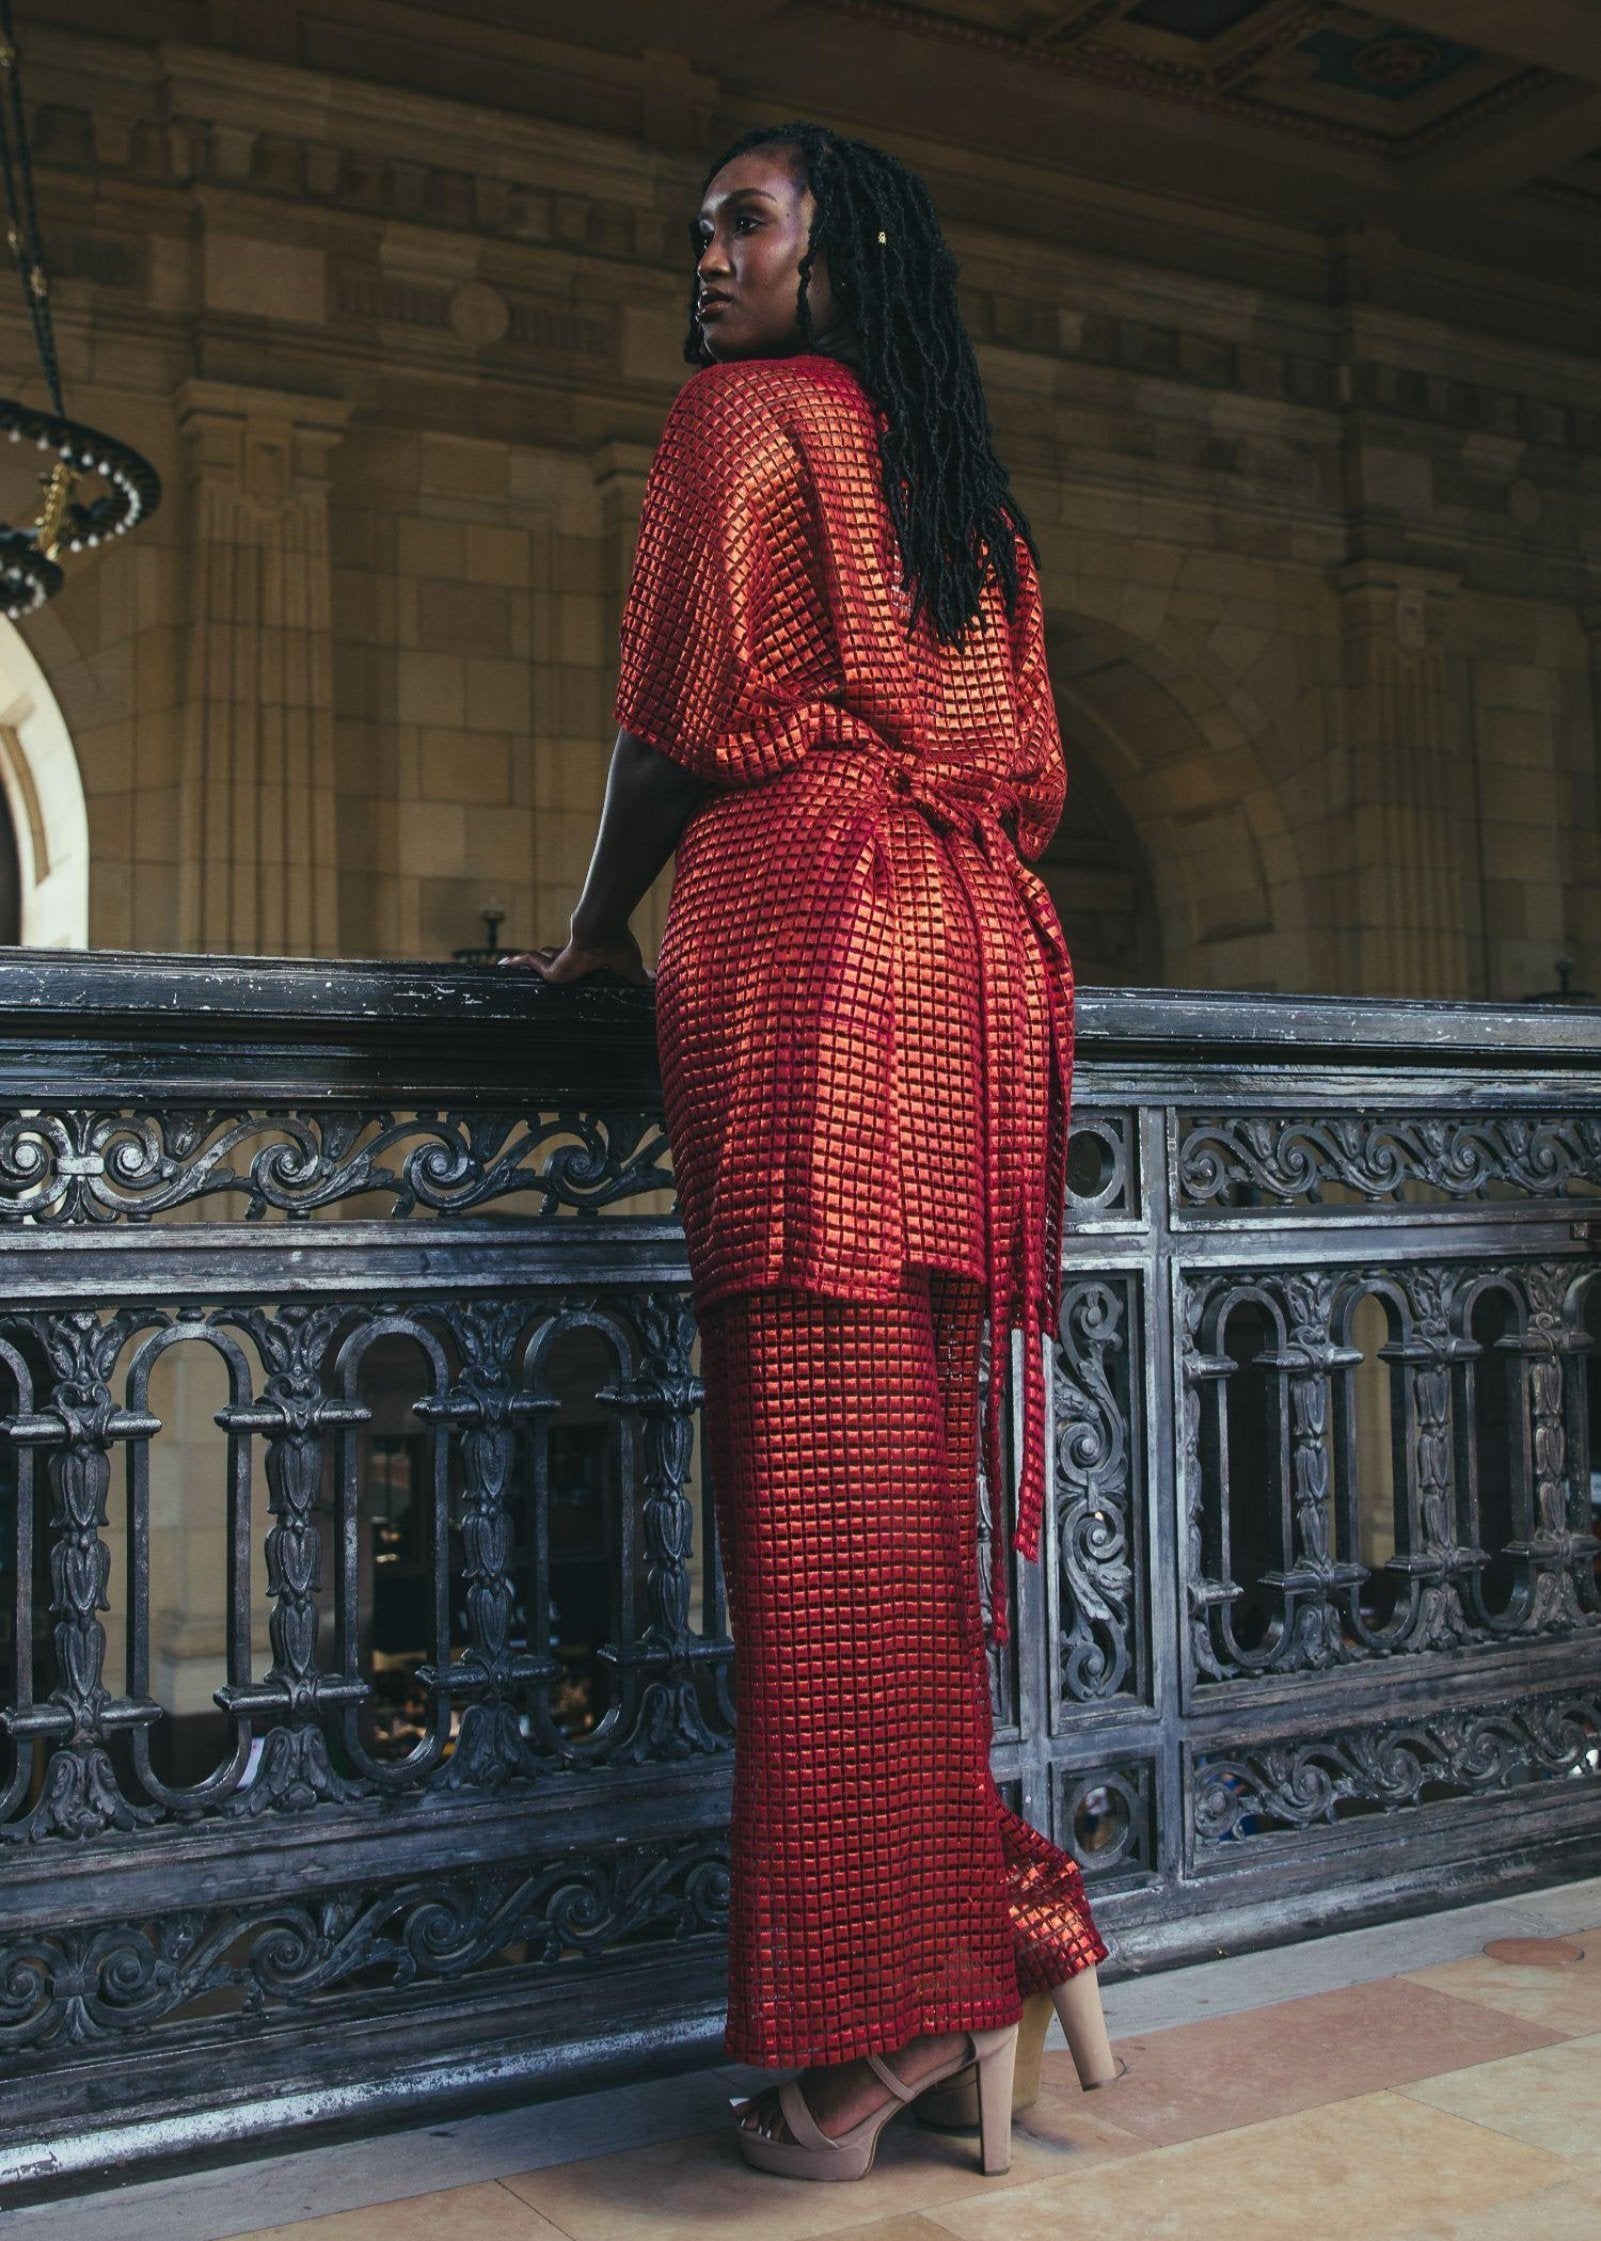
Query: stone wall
[1318,523]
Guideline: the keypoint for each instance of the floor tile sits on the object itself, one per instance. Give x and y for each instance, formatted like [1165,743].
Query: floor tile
[1241,2069]
[1571,2212]
[479,2213]
[1366,2170]
[287,2187]
[1062,2117]
[1157,2000]
[914,2227]
[1550,2099]
[1562,1999]
[453,2151]
[684,2190]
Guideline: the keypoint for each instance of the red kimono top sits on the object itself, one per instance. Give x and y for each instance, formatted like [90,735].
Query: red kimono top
[863,995]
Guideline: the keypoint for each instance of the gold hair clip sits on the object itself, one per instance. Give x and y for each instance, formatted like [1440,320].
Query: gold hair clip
[882,235]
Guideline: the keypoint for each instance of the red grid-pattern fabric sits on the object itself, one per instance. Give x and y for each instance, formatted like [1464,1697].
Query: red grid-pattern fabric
[880,1887]
[863,996]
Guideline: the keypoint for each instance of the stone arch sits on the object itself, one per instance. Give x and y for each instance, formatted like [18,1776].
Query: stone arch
[1100,880]
[1149,723]
[43,795]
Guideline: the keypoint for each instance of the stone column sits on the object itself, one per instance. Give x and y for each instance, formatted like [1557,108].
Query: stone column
[620,469]
[1410,808]
[258,799]
[1582,824]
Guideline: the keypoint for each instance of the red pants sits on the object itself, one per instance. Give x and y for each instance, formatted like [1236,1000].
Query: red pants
[880,1888]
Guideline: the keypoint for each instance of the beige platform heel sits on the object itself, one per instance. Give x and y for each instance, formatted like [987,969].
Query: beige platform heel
[953,2107]
[813,2154]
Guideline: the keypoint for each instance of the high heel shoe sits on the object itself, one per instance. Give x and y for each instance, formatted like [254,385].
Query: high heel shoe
[953,2106]
[813,2154]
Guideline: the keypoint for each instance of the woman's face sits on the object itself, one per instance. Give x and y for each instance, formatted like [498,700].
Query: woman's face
[752,231]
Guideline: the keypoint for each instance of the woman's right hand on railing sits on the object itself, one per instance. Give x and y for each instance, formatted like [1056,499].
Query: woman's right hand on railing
[574,960]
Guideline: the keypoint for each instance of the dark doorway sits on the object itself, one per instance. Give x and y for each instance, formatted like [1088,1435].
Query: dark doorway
[10,878]
[1100,883]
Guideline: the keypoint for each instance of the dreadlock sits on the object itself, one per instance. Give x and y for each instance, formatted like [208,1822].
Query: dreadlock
[895,281]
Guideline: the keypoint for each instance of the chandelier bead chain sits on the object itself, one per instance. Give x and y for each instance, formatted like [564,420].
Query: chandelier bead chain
[30,572]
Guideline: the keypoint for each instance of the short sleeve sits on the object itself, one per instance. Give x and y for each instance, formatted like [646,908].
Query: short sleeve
[716,627]
[1039,767]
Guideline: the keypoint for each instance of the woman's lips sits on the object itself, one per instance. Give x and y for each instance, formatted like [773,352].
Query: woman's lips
[711,306]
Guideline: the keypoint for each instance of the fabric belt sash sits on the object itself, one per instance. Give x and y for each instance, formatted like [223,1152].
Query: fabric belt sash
[852,878]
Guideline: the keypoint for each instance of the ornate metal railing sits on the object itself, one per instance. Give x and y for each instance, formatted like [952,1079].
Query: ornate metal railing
[366,1694]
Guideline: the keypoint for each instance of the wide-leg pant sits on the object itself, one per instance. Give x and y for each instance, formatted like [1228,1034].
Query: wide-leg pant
[880,1887]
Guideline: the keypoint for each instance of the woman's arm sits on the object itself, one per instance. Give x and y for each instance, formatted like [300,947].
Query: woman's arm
[648,802]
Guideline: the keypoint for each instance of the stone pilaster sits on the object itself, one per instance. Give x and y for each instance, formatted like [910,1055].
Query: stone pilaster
[1589,613]
[1582,828]
[258,799]
[1409,816]
[619,469]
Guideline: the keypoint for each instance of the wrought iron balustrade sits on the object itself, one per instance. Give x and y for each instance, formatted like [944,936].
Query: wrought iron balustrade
[366,1689]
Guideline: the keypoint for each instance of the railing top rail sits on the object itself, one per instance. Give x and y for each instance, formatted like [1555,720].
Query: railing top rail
[53,1003]
[1348,1030]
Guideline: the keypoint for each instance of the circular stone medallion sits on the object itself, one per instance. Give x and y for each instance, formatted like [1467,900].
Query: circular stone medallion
[479,313]
[1534,1953]
[1398,60]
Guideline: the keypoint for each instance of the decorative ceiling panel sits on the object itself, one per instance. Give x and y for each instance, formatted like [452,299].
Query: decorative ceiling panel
[1575,185]
[1344,74]
[1391,65]
[1194,19]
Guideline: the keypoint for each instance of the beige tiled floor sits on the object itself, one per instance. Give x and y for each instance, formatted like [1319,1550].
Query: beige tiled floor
[1457,2103]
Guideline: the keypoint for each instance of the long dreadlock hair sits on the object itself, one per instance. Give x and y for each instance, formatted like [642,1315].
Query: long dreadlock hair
[894,280]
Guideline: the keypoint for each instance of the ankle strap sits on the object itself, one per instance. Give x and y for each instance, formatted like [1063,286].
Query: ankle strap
[898,2086]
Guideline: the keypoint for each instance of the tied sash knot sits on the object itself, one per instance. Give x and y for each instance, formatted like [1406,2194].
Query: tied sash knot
[966,805]
[1024,1280]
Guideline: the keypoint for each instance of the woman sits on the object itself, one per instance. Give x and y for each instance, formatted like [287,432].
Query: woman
[833,687]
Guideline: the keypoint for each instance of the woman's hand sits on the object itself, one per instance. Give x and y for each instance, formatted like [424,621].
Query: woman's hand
[573,959]
[649,800]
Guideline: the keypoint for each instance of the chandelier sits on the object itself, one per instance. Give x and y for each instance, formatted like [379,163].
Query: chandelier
[30,570]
